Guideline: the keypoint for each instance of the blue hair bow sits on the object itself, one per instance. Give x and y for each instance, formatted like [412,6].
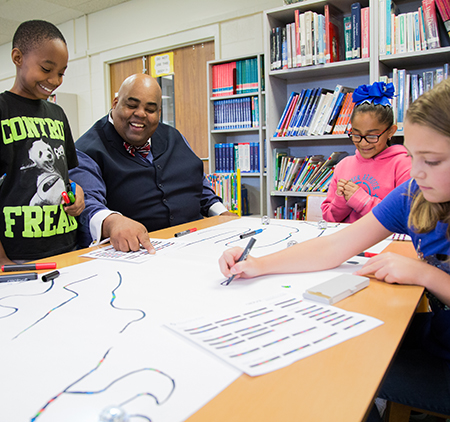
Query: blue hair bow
[377,93]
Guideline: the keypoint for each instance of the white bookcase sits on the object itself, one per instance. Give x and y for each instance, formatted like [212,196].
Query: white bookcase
[254,182]
[351,73]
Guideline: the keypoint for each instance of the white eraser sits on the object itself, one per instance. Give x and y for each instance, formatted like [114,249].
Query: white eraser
[337,288]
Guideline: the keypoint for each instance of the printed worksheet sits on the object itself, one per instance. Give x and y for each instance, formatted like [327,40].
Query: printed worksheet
[161,246]
[271,334]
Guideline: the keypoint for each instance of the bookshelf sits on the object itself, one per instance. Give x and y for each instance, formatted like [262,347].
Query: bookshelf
[280,83]
[234,126]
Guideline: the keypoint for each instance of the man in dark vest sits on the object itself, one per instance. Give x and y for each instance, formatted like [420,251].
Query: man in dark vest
[138,174]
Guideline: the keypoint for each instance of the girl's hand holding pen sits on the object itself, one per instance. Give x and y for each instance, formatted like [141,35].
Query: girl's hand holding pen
[230,266]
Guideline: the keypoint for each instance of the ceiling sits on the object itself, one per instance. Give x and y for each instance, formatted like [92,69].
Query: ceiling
[14,12]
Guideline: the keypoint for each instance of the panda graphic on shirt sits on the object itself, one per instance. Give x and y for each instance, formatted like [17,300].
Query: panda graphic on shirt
[49,183]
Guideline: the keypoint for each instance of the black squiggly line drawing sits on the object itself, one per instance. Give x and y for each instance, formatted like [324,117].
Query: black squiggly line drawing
[127,401]
[22,295]
[114,297]
[56,307]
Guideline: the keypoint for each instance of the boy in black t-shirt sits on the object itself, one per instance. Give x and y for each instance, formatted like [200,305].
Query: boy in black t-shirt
[36,151]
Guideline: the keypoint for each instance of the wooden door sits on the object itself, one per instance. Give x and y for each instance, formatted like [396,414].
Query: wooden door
[191,95]
[121,70]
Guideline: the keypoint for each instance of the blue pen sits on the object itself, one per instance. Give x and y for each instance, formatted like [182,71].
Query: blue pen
[2,179]
[252,233]
[73,187]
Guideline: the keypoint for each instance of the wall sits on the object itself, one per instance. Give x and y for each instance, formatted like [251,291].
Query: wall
[141,27]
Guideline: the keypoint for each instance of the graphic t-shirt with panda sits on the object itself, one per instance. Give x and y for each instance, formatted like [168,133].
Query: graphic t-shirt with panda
[36,152]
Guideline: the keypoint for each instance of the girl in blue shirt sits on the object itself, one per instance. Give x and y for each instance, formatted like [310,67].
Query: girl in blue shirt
[420,374]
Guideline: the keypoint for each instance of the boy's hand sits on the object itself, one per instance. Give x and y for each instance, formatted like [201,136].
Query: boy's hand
[78,206]
[4,260]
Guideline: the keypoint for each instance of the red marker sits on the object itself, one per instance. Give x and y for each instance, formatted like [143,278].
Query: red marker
[367,254]
[25,267]
[185,232]
[66,198]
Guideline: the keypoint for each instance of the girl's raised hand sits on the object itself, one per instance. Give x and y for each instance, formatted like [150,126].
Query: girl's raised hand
[340,187]
[349,189]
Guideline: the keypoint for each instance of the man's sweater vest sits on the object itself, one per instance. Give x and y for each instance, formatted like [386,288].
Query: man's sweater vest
[158,195]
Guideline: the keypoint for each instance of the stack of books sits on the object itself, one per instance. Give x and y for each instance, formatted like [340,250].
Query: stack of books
[296,211]
[315,112]
[226,187]
[237,77]
[315,38]
[229,157]
[412,31]
[304,174]
[409,86]
[236,113]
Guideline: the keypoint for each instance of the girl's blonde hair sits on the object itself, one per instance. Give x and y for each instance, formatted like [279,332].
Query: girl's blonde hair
[432,109]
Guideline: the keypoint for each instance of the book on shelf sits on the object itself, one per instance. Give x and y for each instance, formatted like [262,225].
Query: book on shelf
[306,174]
[224,79]
[333,23]
[401,99]
[244,156]
[356,30]
[365,32]
[277,155]
[236,77]
[297,45]
[409,86]
[411,31]
[296,211]
[443,6]
[314,111]
[301,128]
[226,186]
[348,41]
[236,113]
[343,119]
[311,39]
[382,28]
[431,28]
[302,110]
[296,113]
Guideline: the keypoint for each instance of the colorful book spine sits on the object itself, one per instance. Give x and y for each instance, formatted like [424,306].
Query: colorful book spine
[285,111]
[365,32]
[382,27]
[417,43]
[356,30]
[401,99]
[348,42]
[297,38]
[431,28]
[443,7]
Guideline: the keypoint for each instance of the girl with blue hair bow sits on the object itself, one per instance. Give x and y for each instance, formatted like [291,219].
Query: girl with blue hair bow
[362,180]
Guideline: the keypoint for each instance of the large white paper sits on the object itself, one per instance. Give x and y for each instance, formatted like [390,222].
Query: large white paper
[94,336]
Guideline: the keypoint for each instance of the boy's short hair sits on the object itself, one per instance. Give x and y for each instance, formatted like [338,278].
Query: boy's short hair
[30,34]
